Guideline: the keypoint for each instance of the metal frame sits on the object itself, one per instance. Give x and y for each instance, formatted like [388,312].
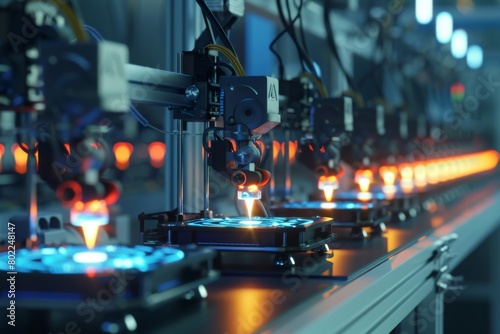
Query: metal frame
[378,300]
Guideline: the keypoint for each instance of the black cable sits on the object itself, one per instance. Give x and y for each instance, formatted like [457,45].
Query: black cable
[216,25]
[281,66]
[285,30]
[304,57]
[302,33]
[332,45]
[289,29]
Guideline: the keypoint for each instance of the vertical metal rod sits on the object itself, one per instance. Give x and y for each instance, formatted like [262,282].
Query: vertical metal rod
[180,167]
[171,179]
[272,169]
[206,177]
[288,171]
[30,119]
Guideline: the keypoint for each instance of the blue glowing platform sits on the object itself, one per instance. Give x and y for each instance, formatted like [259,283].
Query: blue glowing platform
[276,234]
[136,276]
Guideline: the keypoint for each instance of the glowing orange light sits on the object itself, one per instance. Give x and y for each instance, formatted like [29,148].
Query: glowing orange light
[420,175]
[157,151]
[90,216]
[292,150]
[311,148]
[2,150]
[388,174]
[443,170]
[276,150]
[432,170]
[328,184]
[90,230]
[322,149]
[406,173]
[122,151]
[364,178]
[249,205]
[68,148]
[253,188]
[90,271]
[451,168]
[20,159]
[251,193]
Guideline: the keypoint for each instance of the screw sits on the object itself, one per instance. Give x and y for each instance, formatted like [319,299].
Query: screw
[192,92]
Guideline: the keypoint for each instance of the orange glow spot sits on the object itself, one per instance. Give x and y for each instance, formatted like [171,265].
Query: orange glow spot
[432,170]
[90,230]
[311,148]
[388,174]
[95,206]
[406,173]
[276,150]
[328,184]
[253,188]
[2,151]
[437,221]
[322,149]
[90,216]
[363,178]
[249,206]
[420,175]
[157,151]
[122,151]
[79,206]
[292,151]
[68,148]
[20,159]
[90,271]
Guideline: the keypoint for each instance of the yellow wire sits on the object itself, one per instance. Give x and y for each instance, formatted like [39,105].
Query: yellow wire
[357,98]
[321,87]
[74,22]
[230,56]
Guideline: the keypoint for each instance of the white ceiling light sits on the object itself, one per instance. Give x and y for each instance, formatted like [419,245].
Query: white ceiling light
[423,11]
[475,56]
[444,27]
[459,43]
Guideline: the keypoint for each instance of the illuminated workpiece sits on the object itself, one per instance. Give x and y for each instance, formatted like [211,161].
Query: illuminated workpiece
[90,216]
[249,195]
[328,184]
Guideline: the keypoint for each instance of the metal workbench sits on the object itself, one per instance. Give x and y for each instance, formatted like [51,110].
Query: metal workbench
[368,286]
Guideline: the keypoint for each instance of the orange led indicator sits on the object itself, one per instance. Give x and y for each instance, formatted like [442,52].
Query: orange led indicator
[157,151]
[328,184]
[364,178]
[388,174]
[122,151]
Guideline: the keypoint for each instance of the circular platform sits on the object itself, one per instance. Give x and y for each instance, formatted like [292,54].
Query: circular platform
[80,260]
[245,222]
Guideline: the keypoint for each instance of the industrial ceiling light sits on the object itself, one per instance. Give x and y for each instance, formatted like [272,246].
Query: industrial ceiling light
[444,27]
[475,56]
[459,43]
[423,11]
